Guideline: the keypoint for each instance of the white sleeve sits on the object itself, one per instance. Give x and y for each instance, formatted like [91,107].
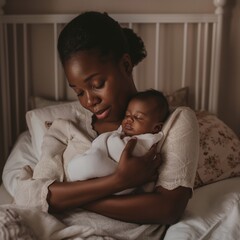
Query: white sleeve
[180,150]
[55,142]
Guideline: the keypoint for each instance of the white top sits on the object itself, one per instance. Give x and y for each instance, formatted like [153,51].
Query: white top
[179,155]
[180,150]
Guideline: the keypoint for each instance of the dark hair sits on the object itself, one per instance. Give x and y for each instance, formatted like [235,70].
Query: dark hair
[95,30]
[163,105]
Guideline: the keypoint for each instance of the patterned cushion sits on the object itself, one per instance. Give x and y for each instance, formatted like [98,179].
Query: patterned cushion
[219,155]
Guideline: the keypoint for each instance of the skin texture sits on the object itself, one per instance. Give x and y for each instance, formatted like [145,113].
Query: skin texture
[104,86]
[101,85]
[141,117]
[162,207]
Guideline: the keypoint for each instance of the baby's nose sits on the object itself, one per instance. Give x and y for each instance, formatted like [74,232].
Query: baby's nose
[129,119]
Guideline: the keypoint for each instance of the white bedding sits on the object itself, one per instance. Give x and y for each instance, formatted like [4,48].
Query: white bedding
[212,213]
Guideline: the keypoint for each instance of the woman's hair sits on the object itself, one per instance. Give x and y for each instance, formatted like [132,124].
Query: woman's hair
[161,100]
[98,31]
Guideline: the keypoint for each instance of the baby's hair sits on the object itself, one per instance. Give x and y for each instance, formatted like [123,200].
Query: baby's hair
[98,31]
[163,105]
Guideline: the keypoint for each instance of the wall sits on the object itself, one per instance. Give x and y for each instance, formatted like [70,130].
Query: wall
[229,109]
[114,6]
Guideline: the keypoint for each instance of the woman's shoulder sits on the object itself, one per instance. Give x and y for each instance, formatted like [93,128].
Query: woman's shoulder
[181,118]
[182,112]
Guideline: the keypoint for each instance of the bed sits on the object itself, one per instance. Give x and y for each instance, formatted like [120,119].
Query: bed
[188,43]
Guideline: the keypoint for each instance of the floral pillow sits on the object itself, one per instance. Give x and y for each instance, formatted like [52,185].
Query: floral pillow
[219,155]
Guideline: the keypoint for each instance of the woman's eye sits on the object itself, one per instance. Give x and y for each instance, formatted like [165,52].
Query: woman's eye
[99,84]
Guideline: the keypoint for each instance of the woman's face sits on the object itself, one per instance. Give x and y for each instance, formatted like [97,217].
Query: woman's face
[102,86]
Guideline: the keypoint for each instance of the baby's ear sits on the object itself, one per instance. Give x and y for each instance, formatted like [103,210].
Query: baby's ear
[157,127]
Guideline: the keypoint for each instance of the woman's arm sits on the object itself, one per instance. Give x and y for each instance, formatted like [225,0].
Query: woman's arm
[162,207]
[131,172]
[50,194]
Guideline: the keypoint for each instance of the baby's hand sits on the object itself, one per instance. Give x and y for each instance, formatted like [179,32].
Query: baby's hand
[135,171]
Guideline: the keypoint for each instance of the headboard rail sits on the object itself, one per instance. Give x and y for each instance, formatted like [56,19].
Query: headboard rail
[123,18]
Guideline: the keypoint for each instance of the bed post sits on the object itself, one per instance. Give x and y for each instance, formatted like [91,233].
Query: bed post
[214,91]
[4,109]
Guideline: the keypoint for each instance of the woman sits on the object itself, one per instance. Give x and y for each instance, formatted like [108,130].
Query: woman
[98,57]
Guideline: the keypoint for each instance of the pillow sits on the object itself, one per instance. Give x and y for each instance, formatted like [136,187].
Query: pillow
[37,118]
[219,155]
[178,98]
[40,102]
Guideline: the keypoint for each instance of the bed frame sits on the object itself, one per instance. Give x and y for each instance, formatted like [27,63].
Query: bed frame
[183,49]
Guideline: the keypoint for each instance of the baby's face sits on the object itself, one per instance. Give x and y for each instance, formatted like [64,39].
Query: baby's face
[141,117]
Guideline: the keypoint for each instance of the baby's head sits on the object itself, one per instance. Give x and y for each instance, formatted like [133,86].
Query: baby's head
[146,113]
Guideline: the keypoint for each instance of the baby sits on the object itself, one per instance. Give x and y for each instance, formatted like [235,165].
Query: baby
[144,117]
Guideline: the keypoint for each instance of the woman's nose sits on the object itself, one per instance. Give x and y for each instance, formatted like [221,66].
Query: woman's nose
[92,100]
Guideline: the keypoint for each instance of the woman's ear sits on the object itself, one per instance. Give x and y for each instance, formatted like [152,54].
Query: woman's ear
[126,64]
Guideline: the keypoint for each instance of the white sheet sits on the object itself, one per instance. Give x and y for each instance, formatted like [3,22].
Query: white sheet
[213,213]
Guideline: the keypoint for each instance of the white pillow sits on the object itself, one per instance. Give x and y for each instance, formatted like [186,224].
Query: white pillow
[179,97]
[40,102]
[36,120]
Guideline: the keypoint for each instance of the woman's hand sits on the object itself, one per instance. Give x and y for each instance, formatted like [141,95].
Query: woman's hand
[134,171]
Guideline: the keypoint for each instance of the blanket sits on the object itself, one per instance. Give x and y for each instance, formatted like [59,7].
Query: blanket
[30,223]
[213,213]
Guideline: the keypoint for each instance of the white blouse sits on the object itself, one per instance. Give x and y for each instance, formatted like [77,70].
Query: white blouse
[179,155]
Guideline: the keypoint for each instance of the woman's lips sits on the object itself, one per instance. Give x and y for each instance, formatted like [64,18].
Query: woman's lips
[102,114]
